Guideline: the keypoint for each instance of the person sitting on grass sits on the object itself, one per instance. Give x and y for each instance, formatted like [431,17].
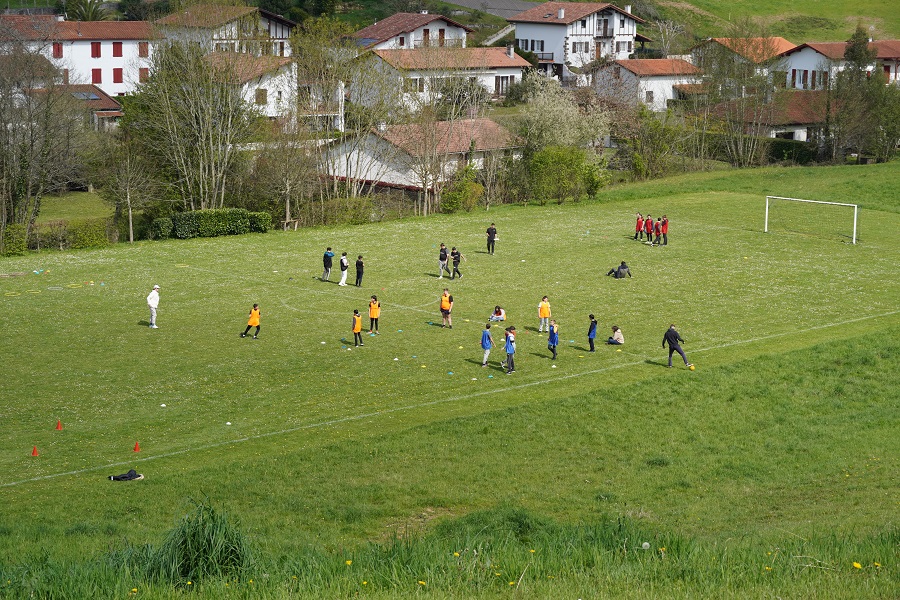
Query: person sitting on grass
[620,272]
[617,338]
[498,315]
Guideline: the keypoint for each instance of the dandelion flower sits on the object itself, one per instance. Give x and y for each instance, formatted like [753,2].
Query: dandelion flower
[190,583]
[349,562]
[512,583]
[365,583]
[421,583]
[856,565]
[878,565]
[134,590]
[456,554]
[532,550]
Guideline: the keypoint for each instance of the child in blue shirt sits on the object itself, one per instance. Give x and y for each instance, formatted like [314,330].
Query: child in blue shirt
[592,331]
[487,342]
[553,339]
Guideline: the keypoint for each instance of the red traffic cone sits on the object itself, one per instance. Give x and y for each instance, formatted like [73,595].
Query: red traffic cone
[137,447]
[58,425]
[34,451]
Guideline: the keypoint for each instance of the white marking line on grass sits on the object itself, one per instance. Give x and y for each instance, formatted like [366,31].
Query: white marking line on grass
[388,411]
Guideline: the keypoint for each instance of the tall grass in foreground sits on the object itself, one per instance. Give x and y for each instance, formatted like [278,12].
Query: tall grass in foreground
[492,553]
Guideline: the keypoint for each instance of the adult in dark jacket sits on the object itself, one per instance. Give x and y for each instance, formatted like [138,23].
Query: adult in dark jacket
[327,261]
[672,338]
[620,272]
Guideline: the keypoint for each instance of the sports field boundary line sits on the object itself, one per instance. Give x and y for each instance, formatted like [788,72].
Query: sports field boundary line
[418,405]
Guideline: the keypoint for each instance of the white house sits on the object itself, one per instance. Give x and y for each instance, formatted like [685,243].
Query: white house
[419,73]
[412,30]
[566,36]
[651,81]
[105,111]
[809,66]
[245,29]
[394,156]
[113,55]
[269,83]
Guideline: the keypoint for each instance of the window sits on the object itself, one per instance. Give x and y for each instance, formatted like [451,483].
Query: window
[812,84]
[402,41]
[57,50]
[649,97]
[262,96]
[117,75]
[825,79]
[617,72]
[805,78]
[502,83]
[280,48]
[143,74]
[96,76]
[621,23]
[618,46]
[117,49]
[540,45]
[630,47]
[441,35]
[65,77]
[426,35]
[584,23]
[411,85]
[95,49]
[143,49]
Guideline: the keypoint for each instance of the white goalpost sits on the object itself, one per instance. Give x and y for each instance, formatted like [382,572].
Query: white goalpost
[770,199]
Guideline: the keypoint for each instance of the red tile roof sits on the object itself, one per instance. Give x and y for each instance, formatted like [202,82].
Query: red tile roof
[398,24]
[884,49]
[206,15]
[450,137]
[44,27]
[427,59]
[757,49]
[650,67]
[793,107]
[245,67]
[92,96]
[548,12]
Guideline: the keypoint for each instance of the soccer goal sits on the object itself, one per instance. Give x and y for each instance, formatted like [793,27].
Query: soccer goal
[812,217]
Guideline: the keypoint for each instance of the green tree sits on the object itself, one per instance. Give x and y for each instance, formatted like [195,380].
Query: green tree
[562,172]
[464,193]
[850,99]
[86,10]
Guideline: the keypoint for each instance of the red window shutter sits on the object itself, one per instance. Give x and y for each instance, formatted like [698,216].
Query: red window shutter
[95,49]
[143,73]
[57,50]
[117,75]
[143,49]
[117,49]
[96,76]
[65,77]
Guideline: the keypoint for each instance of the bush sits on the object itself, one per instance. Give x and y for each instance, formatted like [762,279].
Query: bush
[161,228]
[186,225]
[203,545]
[801,153]
[90,233]
[260,222]
[15,240]
[211,223]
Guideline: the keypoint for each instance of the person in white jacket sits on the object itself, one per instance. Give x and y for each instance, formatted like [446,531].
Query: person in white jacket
[153,304]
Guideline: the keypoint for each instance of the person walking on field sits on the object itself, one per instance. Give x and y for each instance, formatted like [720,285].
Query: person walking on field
[657,230]
[443,256]
[327,261]
[357,329]
[544,315]
[648,228]
[487,342]
[456,256]
[639,227]
[592,331]
[359,270]
[153,305]
[491,238]
[446,309]
[665,230]
[672,338]
[374,313]
[553,338]
[345,264]
[253,321]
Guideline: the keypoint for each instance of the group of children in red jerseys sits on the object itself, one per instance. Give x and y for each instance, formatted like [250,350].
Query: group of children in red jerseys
[660,229]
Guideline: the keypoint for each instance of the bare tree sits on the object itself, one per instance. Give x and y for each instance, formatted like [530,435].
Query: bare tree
[669,34]
[285,167]
[126,182]
[191,113]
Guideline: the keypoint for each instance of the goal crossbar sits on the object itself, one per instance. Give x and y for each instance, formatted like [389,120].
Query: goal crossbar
[855,209]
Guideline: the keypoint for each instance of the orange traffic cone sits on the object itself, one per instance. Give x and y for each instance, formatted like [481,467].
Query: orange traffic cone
[58,425]
[34,452]
[137,447]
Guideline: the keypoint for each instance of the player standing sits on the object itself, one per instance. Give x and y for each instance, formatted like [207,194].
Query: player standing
[639,227]
[544,314]
[446,309]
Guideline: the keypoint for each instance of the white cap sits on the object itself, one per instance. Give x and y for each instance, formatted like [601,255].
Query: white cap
[155,287]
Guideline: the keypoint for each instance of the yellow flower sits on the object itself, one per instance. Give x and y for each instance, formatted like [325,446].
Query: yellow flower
[663,549]
[134,590]
[878,564]
[251,581]
[856,565]
[349,562]
[293,577]
[768,568]
[365,583]
[532,550]
[189,583]
[512,583]
[456,554]
[422,583]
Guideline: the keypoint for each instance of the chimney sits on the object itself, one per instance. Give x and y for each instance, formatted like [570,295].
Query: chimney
[423,12]
[60,18]
[561,14]
[510,52]
[381,126]
[628,8]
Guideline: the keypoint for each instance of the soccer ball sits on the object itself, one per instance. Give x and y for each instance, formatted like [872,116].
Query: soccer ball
[691,367]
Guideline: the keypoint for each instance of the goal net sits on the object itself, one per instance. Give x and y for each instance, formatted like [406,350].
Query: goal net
[832,220]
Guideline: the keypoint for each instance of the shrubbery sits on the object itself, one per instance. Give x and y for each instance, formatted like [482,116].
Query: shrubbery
[260,222]
[161,228]
[15,242]
[212,223]
[90,233]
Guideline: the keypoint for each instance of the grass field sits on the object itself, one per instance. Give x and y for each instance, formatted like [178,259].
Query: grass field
[73,205]
[782,443]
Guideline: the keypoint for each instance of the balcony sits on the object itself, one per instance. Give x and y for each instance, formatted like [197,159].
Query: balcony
[544,57]
[604,33]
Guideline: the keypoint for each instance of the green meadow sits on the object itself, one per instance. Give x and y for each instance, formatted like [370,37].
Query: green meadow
[772,469]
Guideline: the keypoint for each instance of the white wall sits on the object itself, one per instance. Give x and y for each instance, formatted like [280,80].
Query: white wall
[77,59]
[453,36]
[810,61]
[281,95]
[632,89]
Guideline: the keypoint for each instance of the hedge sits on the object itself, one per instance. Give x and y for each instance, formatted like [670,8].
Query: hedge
[260,222]
[161,228]
[211,223]
[794,151]
[15,240]
[90,233]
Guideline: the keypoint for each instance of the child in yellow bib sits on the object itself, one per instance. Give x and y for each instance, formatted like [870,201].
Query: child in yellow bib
[253,321]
